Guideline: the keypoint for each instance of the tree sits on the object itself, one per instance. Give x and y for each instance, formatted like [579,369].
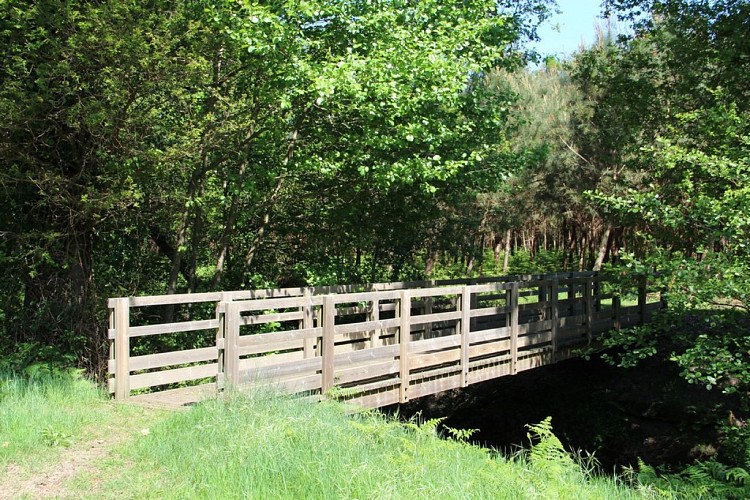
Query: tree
[147,148]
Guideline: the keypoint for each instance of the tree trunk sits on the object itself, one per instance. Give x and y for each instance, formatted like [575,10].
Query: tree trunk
[506,257]
[603,244]
[250,256]
[431,261]
[582,257]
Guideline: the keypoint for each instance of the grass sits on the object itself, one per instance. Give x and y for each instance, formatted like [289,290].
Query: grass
[269,446]
[40,415]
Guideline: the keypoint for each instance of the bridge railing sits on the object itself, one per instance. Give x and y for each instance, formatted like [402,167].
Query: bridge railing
[347,339]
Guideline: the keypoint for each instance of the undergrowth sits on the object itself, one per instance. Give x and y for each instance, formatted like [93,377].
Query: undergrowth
[279,447]
[271,446]
[45,411]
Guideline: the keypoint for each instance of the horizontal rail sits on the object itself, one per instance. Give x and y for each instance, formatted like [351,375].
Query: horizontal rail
[380,342]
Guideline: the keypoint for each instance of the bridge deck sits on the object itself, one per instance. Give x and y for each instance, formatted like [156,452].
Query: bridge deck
[176,399]
[373,347]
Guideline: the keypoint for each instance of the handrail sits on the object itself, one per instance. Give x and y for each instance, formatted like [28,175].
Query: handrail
[455,332]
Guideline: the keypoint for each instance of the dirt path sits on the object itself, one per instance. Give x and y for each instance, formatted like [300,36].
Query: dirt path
[50,482]
[86,458]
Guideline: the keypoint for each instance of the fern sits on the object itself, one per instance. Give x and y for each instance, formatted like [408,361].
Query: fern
[547,455]
[700,480]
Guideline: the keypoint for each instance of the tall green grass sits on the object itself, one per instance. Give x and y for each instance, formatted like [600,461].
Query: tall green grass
[279,447]
[42,413]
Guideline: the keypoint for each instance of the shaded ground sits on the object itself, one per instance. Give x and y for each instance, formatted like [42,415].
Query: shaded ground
[620,415]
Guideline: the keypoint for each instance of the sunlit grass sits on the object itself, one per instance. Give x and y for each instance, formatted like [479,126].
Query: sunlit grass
[268,446]
[45,413]
[279,447]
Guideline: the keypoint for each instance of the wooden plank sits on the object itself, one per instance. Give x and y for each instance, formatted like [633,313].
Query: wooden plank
[231,337]
[435,317]
[554,316]
[176,399]
[494,297]
[435,372]
[498,347]
[489,311]
[367,355]
[490,334]
[111,362]
[173,376]
[366,371]
[420,361]
[305,383]
[435,386]
[513,323]
[374,315]
[308,323]
[163,300]
[273,338]
[490,372]
[269,347]
[536,360]
[122,349]
[367,296]
[432,292]
[570,321]
[493,287]
[532,339]
[277,303]
[160,360]
[377,399]
[295,368]
[436,344]
[465,330]
[588,294]
[367,326]
[427,304]
[404,338]
[533,327]
[260,319]
[329,318]
[270,360]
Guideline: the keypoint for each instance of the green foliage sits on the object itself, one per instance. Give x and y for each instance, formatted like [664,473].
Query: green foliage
[262,446]
[54,437]
[547,453]
[633,345]
[701,480]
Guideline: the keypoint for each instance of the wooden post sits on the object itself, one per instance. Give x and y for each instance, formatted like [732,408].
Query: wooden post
[513,301]
[465,329]
[642,288]
[220,339]
[122,348]
[597,293]
[588,290]
[231,341]
[571,296]
[374,315]
[554,317]
[427,309]
[404,335]
[308,345]
[616,323]
[329,322]
[473,304]
[542,297]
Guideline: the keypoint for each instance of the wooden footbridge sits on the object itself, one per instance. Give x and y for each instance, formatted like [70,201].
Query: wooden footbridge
[372,345]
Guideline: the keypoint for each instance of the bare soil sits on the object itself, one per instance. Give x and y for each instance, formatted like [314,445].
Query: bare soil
[50,482]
